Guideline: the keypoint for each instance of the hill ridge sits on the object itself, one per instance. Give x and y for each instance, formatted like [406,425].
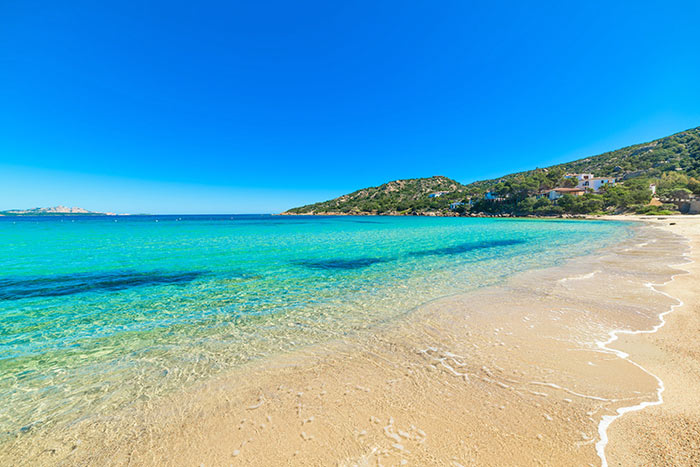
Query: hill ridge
[401,194]
[588,164]
[659,160]
[53,211]
[671,162]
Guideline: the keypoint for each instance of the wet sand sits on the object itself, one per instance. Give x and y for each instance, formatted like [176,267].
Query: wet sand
[518,374]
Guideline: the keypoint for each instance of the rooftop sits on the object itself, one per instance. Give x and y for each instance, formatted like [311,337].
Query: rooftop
[567,190]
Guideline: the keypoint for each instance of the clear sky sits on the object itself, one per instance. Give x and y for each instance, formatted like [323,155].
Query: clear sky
[233,107]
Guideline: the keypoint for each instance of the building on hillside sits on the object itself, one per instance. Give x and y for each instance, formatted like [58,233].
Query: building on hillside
[491,196]
[437,194]
[595,184]
[589,182]
[579,177]
[557,193]
[542,194]
[456,204]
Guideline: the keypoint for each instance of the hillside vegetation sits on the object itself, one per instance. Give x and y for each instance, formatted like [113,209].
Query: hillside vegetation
[671,163]
[399,196]
[676,153]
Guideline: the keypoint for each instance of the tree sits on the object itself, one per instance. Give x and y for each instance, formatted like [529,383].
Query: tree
[567,203]
[694,185]
[569,182]
[542,202]
[526,206]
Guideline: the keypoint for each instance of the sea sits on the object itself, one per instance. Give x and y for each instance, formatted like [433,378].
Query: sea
[99,312]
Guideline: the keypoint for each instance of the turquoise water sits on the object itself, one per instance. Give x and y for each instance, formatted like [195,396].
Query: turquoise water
[98,312]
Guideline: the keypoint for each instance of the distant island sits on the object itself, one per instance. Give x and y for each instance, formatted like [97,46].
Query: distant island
[54,211]
[658,177]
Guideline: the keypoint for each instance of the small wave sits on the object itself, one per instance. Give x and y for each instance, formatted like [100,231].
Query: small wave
[640,245]
[578,278]
[573,393]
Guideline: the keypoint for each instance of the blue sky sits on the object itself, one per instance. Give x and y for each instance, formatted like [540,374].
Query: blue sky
[233,107]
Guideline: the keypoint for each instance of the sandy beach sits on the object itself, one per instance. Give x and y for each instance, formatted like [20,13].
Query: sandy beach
[520,374]
[668,433]
[349,234]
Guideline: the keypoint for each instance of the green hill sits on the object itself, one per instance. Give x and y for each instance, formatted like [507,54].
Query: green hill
[397,197]
[676,153]
[671,163]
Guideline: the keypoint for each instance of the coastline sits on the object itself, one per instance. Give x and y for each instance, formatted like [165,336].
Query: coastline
[666,432]
[508,375]
[438,214]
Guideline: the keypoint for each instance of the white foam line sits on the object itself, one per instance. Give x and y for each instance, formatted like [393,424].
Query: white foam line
[640,245]
[578,278]
[607,420]
[573,393]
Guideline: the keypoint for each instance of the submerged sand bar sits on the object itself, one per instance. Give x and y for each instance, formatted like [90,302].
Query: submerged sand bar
[519,374]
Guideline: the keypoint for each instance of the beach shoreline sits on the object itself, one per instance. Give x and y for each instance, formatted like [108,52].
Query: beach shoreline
[509,375]
[668,432]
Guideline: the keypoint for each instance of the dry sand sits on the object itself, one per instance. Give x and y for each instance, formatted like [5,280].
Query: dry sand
[510,375]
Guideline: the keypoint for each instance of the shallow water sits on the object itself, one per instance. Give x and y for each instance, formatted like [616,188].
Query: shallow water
[99,312]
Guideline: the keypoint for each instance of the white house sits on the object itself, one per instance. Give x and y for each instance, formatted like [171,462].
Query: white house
[579,177]
[595,183]
[590,183]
